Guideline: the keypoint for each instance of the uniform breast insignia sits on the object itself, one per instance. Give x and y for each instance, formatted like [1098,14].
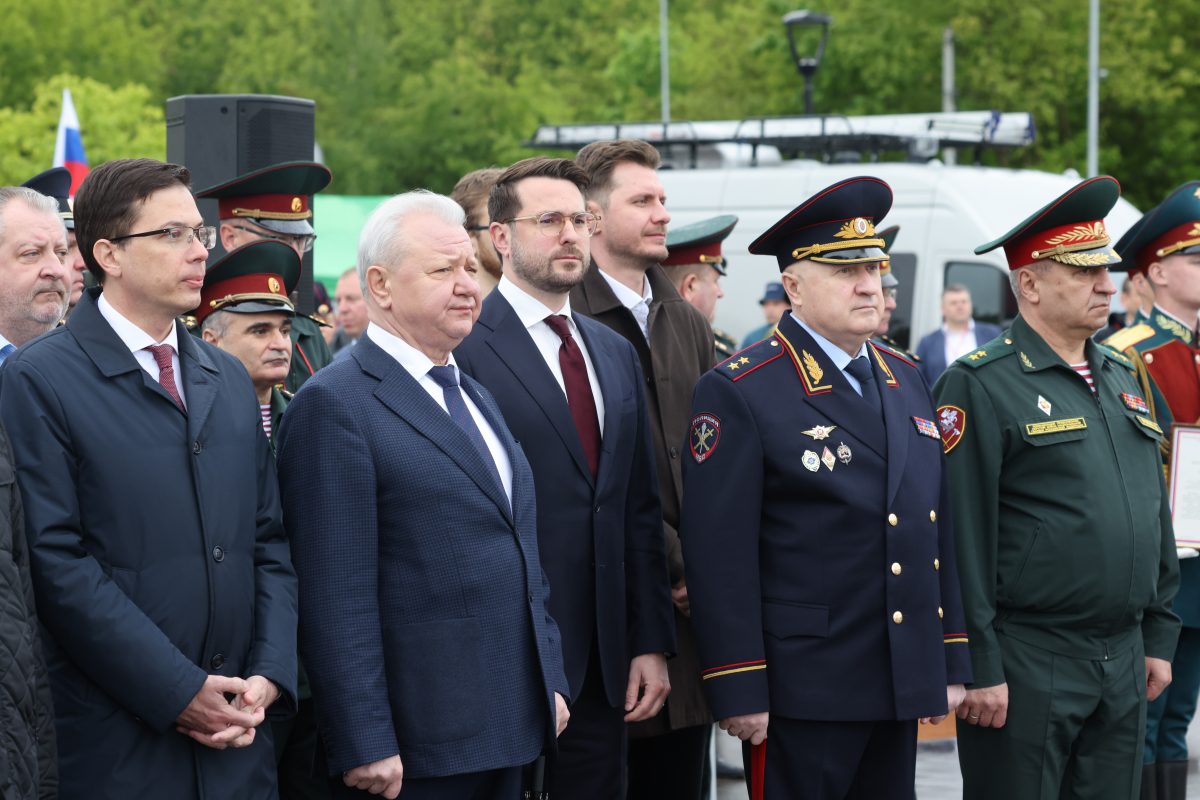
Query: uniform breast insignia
[1056,426]
[812,367]
[703,436]
[1149,423]
[1134,403]
[1044,405]
[843,453]
[819,432]
[1026,362]
[952,422]
[828,460]
[925,427]
[811,461]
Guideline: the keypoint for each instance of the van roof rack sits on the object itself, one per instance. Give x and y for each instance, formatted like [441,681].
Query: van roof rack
[920,136]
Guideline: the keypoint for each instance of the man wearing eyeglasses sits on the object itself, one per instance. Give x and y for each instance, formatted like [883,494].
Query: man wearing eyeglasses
[571,392]
[275,203]
[160,567]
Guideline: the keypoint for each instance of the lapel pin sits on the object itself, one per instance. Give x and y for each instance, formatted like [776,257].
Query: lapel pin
[811,461]
[843,453]
[819,432]
[1044,405]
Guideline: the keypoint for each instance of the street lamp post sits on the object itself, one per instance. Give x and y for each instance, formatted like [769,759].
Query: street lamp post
[793,22]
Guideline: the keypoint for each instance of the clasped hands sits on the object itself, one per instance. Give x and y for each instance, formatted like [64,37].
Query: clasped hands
[217,722]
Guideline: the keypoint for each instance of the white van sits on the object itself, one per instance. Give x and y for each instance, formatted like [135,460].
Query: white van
[944,213]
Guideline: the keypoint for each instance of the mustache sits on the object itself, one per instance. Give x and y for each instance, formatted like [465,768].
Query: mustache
[568,252]
[58,287]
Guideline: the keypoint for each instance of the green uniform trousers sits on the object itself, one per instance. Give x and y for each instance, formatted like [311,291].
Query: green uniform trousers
[1074,729]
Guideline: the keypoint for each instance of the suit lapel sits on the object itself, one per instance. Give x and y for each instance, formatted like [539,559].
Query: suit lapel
[199,381]
[610,389]
[896,417]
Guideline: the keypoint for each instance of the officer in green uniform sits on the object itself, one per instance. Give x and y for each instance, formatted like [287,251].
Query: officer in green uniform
[1164,247]
[695,265]
[889,282]
[1065,549]
[275,203]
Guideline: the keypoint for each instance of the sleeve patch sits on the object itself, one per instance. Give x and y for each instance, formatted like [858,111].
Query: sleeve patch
[703,436]
[952,422]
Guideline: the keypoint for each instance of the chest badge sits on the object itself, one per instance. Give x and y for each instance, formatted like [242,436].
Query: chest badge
[819,432]
[843,453]
[925,427]
[828,460]
[811,461]
[1134,403]
[952,422]
[703,436]
[1044,405]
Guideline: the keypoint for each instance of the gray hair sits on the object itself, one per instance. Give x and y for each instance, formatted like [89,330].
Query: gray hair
[35,200]
[382,241]
[218,323]
[1014,279]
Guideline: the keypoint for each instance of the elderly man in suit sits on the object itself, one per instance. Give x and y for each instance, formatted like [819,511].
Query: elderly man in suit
[434,661]
[572,391]
[159,562]
[959,334]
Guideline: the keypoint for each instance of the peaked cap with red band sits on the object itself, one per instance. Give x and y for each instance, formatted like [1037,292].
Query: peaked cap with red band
[254,278]
[1069,230]
[834,226]
[1171,228]
[278,197]
[700,242]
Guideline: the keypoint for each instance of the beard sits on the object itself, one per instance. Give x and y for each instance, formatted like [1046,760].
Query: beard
[538,270]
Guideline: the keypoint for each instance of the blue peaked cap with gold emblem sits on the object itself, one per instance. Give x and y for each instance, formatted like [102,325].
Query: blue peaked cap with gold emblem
[834,226]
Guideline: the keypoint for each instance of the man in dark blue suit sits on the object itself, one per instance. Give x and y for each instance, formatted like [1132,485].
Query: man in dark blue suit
[571,391]
[433,659]
[959,334]
[816,533]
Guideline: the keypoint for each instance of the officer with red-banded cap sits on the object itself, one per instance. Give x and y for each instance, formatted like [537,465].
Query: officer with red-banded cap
[1065,547]
[695,265]
[275,203]
[816,534]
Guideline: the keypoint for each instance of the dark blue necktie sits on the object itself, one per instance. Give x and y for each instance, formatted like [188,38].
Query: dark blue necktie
[447,378]
[860,368]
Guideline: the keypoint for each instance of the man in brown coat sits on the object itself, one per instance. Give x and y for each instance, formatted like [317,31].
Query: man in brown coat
[626,289]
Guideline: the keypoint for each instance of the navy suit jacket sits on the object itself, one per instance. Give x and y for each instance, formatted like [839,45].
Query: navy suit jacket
[601,539]
[157,553]
[931,350]
[423,624]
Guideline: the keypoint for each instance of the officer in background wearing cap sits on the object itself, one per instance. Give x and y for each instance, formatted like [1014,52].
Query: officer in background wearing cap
[56,183]
[1165,247]
[246,309]
[774,304]
[817,543]
[1065,547]
[275,203]
[695,265]
[890,283]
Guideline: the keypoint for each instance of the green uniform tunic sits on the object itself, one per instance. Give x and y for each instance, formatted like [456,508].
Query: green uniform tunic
[1067,563]
[309,354]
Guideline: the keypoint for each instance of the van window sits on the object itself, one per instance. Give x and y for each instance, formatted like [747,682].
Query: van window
[904,267]
[991,298]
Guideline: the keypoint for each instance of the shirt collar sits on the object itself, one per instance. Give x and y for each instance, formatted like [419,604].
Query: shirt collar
[4,342]
[626,296]
[528,308]
[413,360]
[129,333]
[837,355]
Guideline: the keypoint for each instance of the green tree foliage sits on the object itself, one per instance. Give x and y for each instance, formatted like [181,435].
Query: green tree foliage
[413,93]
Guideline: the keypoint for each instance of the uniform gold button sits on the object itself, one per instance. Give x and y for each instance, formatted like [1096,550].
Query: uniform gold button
[940,612]
[897,618]
[896,568]
[893,520]
[937,565]
[932,515]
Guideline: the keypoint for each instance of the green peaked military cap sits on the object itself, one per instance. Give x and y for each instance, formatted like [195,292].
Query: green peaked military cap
[1070,229]
[1170,228]
[700,242]
[885,270]
[256,277]
[278,197]
[55,182]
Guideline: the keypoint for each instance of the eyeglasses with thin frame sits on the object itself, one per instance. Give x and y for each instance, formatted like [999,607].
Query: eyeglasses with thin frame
[304,240]
[179,234]
[551,223]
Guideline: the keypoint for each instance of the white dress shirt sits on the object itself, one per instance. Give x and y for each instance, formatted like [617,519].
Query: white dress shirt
[638,304]
[840,358]
[137,340]
[958,345]
[532,314]
[418,365]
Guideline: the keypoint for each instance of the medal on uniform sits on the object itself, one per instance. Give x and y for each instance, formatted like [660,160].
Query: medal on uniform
[819,432]
[844,453]
[828,460]
[1044,405]
[926,427]
[811,461]
[1135,403]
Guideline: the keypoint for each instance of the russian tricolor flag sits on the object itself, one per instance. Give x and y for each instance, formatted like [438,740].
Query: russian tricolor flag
[68,147]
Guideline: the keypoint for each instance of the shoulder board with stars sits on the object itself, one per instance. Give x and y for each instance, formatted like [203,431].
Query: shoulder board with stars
[1129,337]
[741,364]
[1116,356]
[993,350]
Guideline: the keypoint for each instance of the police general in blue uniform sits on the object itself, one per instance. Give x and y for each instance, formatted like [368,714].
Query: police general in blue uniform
[816,536]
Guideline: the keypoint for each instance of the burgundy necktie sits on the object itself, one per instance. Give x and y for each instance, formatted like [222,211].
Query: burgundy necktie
[579,391]
[166,372]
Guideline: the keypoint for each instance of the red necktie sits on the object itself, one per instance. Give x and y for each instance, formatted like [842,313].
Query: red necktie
[579,391]
[166,372]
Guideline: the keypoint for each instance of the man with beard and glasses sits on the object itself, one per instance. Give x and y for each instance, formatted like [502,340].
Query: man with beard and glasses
[571,391]
[33,274]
